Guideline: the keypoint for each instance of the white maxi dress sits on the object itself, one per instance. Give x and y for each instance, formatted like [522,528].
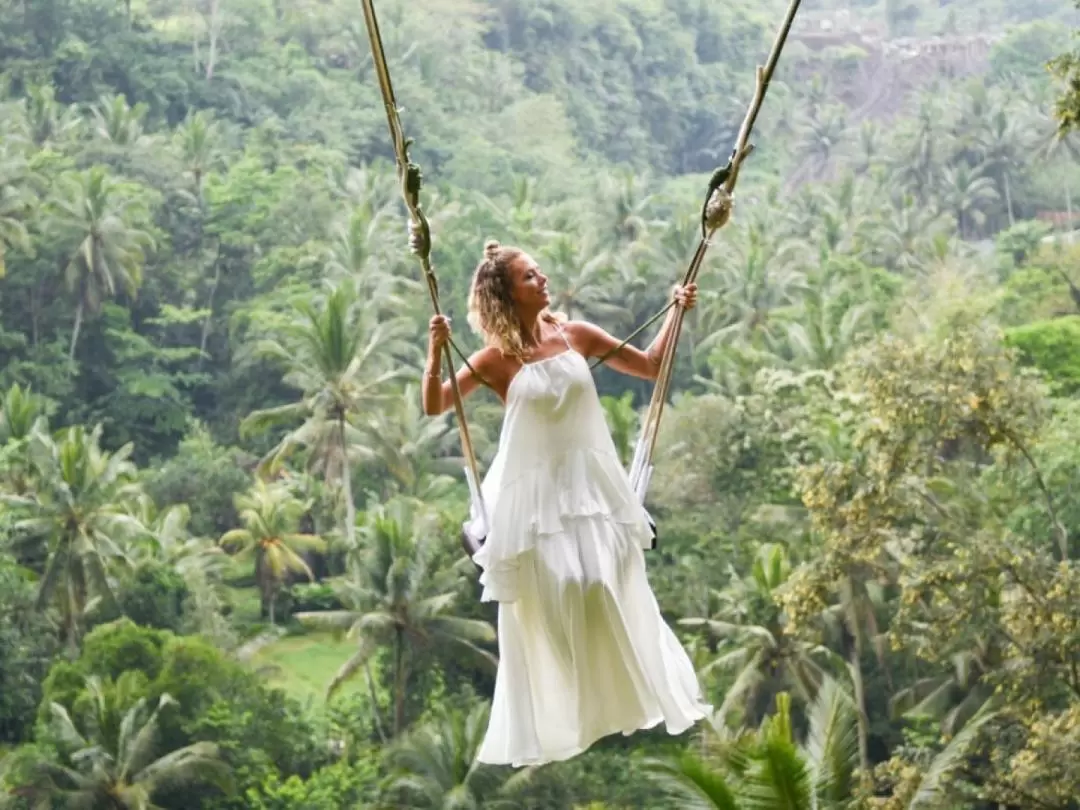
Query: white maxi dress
[583,649]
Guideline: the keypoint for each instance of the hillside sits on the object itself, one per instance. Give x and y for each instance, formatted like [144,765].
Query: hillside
[215,462]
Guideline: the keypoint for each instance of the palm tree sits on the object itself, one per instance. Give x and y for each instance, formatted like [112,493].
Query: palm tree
[15,200]
[967,193]
[271,514]
[758,647]
[768,768]
[99,216]
[47,120]
[78,506]
[398,598]
[197,141]
[169,541]
[758,277]
[20,411]
[1051,143]
[624,215]
[820,139]
[335,354]
[1004,145]
[828,326]
[434,767]
[917,160]
[111,762]
[957,694]
[930,788]
[580,274]
[407,449]
[115,121]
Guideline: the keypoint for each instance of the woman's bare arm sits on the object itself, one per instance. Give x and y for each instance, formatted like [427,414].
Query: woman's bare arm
[595,342]
[437,396]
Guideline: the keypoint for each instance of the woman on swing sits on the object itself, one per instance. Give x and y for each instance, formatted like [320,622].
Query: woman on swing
[584,651]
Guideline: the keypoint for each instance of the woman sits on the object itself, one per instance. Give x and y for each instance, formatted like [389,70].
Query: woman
[584,651]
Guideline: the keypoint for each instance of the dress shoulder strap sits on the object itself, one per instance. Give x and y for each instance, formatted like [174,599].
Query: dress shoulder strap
[562,334]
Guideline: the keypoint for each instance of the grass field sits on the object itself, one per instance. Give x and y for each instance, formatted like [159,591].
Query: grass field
[303,665]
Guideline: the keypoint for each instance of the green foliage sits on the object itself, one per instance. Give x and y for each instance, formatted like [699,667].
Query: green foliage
[154,597]
[204,475]
[258,732]
[342,784]
[26,651]
[861,496]
[1054,347]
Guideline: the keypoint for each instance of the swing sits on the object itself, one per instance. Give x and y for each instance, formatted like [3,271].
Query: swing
[715,214]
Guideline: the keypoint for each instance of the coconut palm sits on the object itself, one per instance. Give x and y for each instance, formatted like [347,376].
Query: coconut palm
[967,193]
[271,515]
[20,411]
[398,597]
[197,141]
[335,354]
[111,760]
[434,767]
[409,450]
[768,768]
[169,541]
[99,217]
[764,654]
[77,506]
[115,121]
[15,200]
[580,274]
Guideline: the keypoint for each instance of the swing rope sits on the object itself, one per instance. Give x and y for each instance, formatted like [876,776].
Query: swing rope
[409,176]
[715,214]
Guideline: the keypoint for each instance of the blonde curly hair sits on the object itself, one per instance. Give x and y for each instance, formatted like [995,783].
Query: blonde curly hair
[491,301]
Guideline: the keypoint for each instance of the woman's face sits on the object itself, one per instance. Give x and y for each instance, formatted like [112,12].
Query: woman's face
[529,286]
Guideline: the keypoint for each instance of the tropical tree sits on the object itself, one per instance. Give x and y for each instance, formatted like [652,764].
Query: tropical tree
[110,760]
[15,200]
[765,655]
[270,538]
[197,141]
[408,450]
[401,599]
[78,508]
[20,411]
[434,766]
[101,218]
[169,540]
[336,355]
[768,768]
[580,275]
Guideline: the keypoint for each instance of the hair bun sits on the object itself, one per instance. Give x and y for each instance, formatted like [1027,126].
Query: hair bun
[491,248]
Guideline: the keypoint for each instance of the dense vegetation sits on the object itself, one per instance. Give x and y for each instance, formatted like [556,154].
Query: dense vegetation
[222,503]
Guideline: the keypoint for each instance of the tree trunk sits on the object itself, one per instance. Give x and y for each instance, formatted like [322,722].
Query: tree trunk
[1008,199]
[214,30]
[399,683]
[376,716]
[1068,211]
[210,313]
[862,726]
[75,331]
[346,485]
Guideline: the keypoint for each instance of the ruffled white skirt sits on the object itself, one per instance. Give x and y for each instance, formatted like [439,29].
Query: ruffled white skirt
[584,650]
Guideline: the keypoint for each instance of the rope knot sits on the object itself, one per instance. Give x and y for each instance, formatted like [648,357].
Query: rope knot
[718,209]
